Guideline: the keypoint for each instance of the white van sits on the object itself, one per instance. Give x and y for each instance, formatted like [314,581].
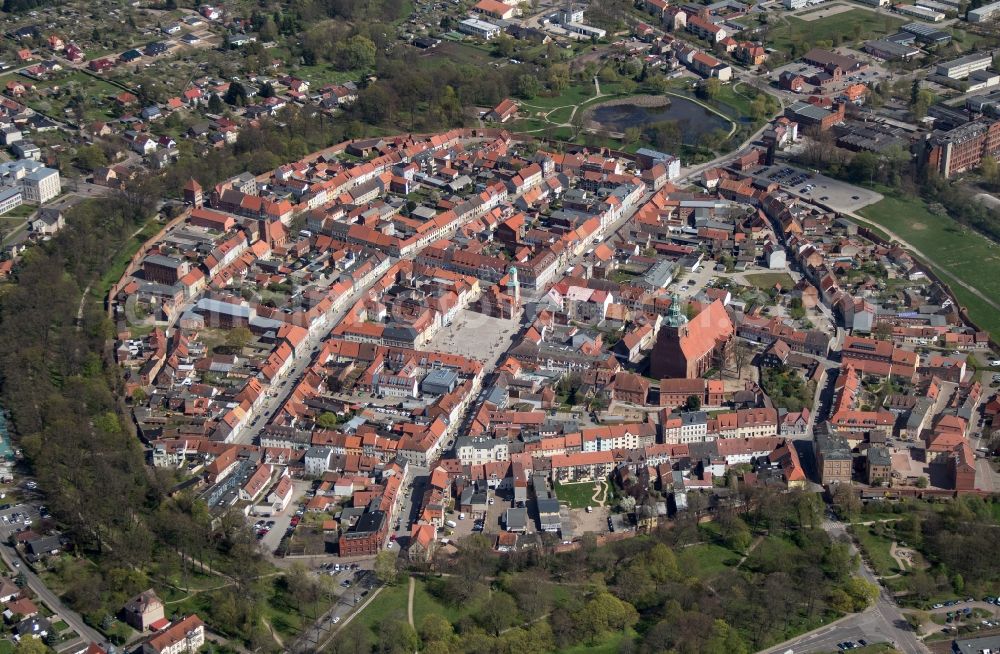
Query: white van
[451,523]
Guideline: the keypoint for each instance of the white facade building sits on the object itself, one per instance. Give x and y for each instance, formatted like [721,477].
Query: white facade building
[36,183]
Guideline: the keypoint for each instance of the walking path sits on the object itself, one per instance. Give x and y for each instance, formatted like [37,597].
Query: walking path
[274,634]
[756,541]
[409,602]
[573,109]
[601,491]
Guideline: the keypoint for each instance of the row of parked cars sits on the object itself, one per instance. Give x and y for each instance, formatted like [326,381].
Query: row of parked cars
[850,644]
[941,605]
[263,527]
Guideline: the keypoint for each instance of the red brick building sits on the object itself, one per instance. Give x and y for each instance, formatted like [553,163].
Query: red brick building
[963,148]
[689,349]
[365,538]
[675,392]
[629,387]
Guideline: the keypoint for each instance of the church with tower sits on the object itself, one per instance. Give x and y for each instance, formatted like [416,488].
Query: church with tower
[688,349]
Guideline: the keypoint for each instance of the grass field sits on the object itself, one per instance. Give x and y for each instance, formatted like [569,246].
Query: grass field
[877,550]
[392,601]
[952,248]
[768,280]
[578,496]
[851,26]
[389,605]
[704,561]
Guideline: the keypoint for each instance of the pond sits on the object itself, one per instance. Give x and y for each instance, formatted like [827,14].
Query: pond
[693,119]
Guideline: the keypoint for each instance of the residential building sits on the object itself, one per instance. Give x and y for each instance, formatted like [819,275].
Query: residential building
[366,536]
[834,462]
[185,635]
[144,610]
[878,465]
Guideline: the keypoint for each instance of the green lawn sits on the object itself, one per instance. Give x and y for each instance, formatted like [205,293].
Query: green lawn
[951,247]
[578,495]
[389,605]
[6,647]
[425,604]
[705,560]
[60,625]
[852,26]
[392,601]
[877,550]
[573,94]
[767,280]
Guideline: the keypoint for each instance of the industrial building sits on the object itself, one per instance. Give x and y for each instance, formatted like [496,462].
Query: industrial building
[479,28]
[984,13]
[890,50]
[925,34]
[920,12]
[961,149]
[961,68]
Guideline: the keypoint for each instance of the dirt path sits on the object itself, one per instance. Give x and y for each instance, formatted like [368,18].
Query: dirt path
[602,491]
[274,634]
[409,602]
[756,541]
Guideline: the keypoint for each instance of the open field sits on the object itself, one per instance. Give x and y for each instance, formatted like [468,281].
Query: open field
[877,550]
[392,601]
[852,26]
[768,280]
[953,248]
[578,496]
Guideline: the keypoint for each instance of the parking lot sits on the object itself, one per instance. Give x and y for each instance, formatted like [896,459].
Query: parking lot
[273,527]
[826,191]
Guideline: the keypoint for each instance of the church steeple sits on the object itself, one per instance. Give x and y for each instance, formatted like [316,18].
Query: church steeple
[675,318]
[513,286]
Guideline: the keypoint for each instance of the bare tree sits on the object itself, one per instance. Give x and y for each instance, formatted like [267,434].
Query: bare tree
[742,355]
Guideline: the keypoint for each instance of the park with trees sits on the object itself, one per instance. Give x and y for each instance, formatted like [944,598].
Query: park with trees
[755,576]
